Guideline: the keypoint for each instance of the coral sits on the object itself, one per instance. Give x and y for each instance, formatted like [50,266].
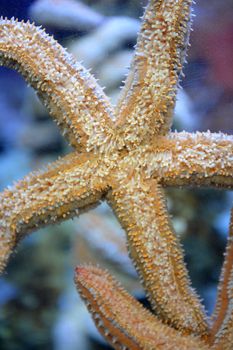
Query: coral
[125,155]
[67,14]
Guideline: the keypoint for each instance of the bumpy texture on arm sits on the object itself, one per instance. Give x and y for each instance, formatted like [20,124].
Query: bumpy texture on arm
[148,98]
[141,209]
[122,320]
[52,196]
[203,159]
[73,97]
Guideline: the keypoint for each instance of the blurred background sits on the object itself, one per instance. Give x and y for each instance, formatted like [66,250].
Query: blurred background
[40,308]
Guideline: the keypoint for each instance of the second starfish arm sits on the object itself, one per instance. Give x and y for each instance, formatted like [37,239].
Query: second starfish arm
[222,329]
[122,320]
[223,339]
[140,207]
[74,183]
[184,159]
[70,92]
[148,98]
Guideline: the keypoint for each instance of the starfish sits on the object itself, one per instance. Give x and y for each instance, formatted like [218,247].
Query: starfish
[126,155]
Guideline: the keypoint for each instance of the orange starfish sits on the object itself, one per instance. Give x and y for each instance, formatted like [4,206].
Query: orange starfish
[125,155]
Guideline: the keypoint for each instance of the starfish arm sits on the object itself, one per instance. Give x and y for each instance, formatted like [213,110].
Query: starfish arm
[71,94]
[184,159]
[224,337]
[148,98]
[222,328]
[59,193]
[123,321]
[141,209]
